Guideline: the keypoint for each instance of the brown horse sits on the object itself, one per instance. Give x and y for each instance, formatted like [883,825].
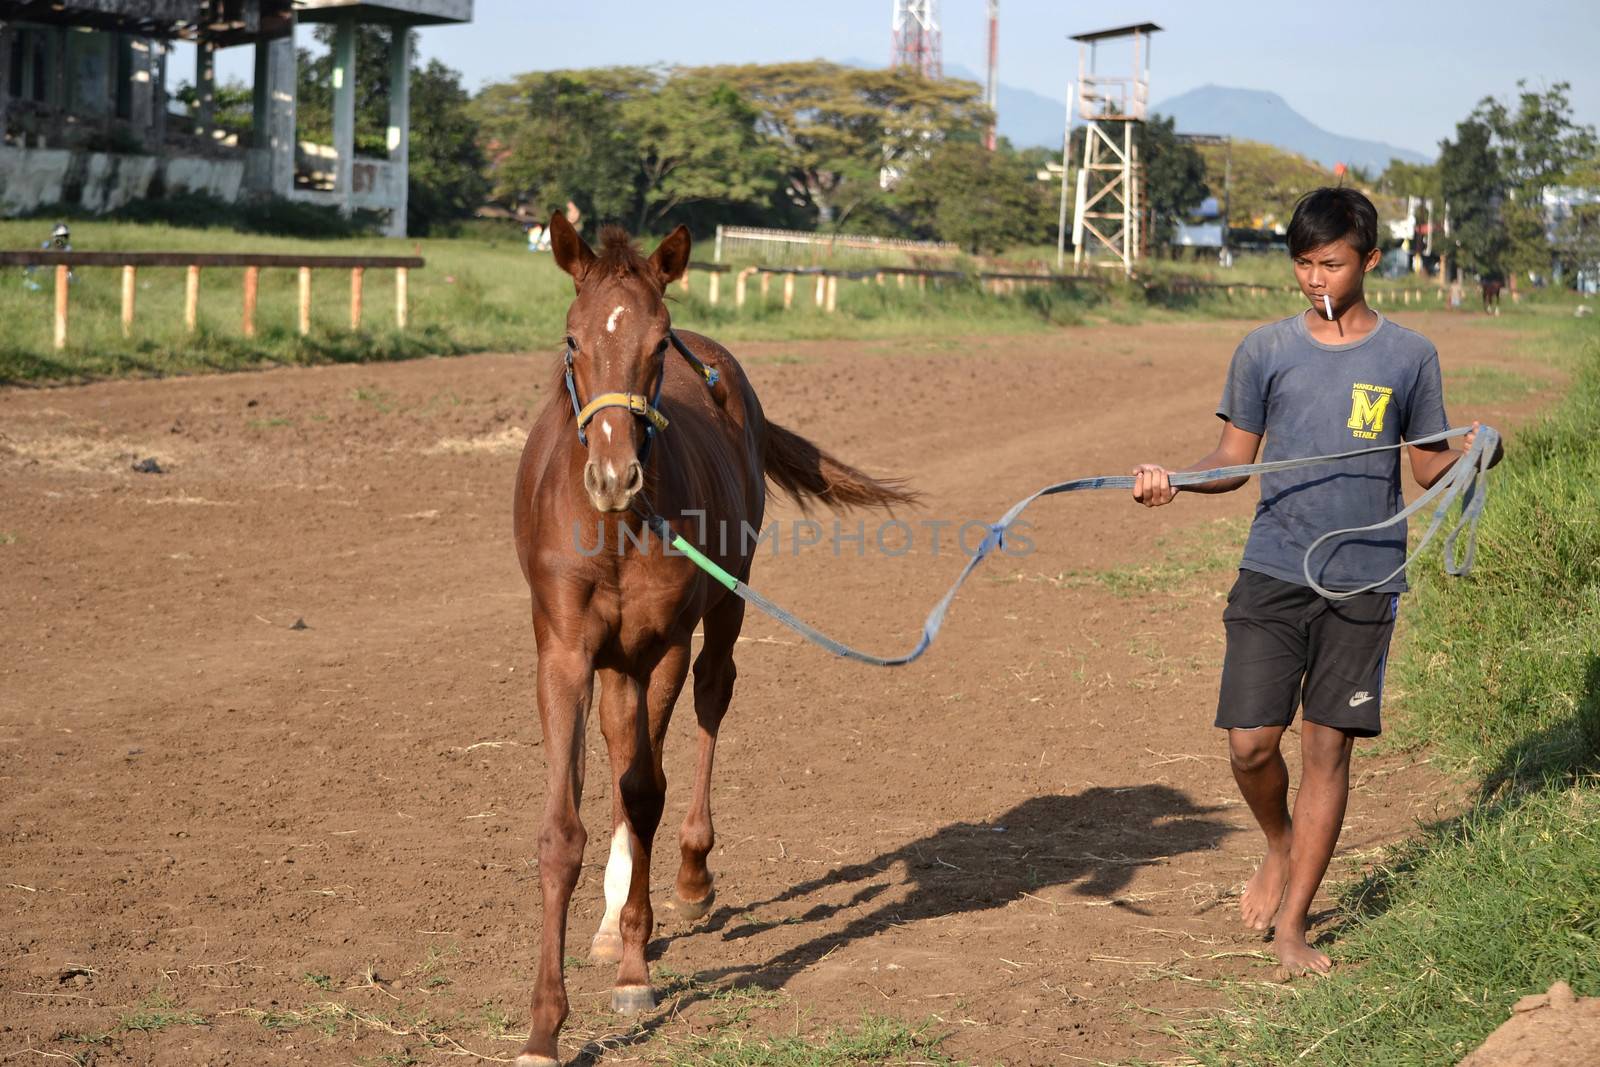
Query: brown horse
[680,438]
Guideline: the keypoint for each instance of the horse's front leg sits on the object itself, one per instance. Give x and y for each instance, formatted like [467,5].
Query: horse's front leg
[565,683]
[635,728]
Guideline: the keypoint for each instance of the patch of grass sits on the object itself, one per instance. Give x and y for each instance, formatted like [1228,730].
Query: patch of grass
[875,1040]
[157,1012]
[7,537]
[318,981]
[1499,676]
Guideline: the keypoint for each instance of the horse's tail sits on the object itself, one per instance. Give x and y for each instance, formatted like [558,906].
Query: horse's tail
[805,472]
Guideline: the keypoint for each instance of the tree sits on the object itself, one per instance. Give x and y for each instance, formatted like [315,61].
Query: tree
[696,142]
[446,168]
[981,200]
[1174,177]
[1495,173]
[560,135]
[840,129]
[1470,181]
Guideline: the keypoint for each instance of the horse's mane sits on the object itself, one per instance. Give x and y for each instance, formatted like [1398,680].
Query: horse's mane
[618,254]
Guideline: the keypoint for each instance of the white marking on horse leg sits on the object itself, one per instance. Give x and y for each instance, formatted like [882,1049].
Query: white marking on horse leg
[611,322]
[619,875]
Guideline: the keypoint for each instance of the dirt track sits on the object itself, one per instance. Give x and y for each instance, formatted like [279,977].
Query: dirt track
[1024,838]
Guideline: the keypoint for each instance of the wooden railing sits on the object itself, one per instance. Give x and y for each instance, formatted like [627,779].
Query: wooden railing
[253,265]
[826,280]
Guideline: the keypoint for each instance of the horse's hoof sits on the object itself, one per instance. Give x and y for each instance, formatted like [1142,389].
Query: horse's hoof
[632,999]
[606,948]
[528,1059]
[692,910]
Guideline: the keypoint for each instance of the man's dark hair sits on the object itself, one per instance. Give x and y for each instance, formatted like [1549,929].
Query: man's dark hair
[1330,214]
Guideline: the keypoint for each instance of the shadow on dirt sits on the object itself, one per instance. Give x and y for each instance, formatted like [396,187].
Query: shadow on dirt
[1091,843]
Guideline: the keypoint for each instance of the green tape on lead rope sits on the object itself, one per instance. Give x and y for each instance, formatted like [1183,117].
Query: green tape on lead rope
[703,563]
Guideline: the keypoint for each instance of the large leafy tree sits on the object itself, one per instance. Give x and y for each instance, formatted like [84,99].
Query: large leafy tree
[696,142]
[560,135]
[840,130]
[1495,171]
[1174,177]
[963,193]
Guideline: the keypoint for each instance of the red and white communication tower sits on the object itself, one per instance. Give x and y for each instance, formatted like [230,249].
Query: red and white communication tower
[917,37]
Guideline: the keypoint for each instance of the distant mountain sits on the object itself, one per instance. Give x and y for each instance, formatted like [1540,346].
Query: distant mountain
[1255,115]
[1027,119]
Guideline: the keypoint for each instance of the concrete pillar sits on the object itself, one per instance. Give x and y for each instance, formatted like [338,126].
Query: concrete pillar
[400,121]
[282,73]
[142,91]
[158,92]
[205,87]
[344,106]
[5,76]
[261,97]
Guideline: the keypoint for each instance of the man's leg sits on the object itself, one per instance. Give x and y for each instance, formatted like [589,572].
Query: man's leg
[1263,781]
[1318,818]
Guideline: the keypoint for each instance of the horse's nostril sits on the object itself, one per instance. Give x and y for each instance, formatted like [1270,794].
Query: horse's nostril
[635,477]
[591,477]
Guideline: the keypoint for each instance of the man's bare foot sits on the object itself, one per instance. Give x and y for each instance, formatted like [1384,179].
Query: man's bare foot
[1296,958]
[1264,892]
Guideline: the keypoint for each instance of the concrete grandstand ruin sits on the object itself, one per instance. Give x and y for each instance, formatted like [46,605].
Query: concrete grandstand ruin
[85,107]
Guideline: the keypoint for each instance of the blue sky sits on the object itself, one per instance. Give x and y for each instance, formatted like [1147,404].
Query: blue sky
[1400,71]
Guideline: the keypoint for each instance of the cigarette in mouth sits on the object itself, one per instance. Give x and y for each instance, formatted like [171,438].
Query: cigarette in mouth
[1327,305]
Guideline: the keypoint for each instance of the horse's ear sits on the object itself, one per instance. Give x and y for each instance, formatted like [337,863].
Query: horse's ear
[572,253]
[671,257]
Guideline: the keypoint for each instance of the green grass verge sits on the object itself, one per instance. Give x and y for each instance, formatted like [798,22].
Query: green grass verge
[876,1040]
[1499,675]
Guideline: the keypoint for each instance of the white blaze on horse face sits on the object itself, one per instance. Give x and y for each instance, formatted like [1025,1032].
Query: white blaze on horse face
[619,875]
[606,426]
[616,313]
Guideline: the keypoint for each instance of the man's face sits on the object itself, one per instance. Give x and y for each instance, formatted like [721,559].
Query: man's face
[1334,270]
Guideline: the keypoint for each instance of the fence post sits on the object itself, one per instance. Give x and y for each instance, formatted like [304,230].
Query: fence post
[715,291]
[356,274]
[833,294]
[402,278]
[822,289]
[900,280]
[788,291]
[191,299]
[683,283]
[63,281]
[129,284]
[305,301]
[252,283]
[766,286]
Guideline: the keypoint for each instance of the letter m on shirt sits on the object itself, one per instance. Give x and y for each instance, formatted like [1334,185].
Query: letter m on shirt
[1367,409]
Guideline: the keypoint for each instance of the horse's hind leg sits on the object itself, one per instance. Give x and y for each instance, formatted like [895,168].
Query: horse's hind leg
[714,673]
[634,732]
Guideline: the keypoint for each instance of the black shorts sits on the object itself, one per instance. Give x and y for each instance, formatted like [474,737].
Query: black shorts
[1287,646]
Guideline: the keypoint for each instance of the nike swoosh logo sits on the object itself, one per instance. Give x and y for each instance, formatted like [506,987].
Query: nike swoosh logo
[1359,699]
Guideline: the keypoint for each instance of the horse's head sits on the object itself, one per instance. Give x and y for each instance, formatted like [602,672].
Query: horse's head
[617,343]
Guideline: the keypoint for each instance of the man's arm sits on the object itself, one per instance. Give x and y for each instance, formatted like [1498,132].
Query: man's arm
[1151,483]
[1430,462]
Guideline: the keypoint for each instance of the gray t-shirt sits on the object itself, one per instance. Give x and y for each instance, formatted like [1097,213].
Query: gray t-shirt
[1309,399]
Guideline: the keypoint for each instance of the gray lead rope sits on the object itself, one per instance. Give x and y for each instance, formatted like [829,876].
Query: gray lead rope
[1460,482]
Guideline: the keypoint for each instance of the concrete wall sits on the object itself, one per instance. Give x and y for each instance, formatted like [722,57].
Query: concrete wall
[101,181]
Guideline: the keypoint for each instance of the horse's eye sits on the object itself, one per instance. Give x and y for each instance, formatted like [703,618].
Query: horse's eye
[571,344]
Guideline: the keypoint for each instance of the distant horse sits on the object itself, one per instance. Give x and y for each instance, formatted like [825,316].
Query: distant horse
[684,439]
[1491,285]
